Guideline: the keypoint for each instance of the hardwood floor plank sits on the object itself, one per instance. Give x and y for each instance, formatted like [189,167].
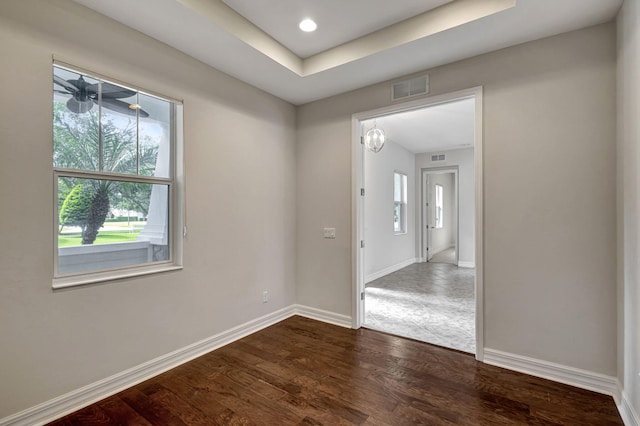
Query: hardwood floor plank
[194,392]
[154,412]
[188,413]
[304,372]
[121,413]
[91,415]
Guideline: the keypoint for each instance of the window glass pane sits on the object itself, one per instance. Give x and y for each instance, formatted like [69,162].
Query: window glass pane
[155,136]
[399,202]
[75,120]
[119,129]
[109,224]
[404,188]
[439,206]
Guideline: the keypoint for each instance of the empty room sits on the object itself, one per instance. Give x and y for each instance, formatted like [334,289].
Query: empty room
[187,187]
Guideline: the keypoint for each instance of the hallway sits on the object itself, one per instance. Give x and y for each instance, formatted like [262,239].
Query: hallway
[445,256]
[430,302]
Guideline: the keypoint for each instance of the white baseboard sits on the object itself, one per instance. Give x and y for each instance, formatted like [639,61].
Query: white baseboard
[324,316]
[94,392]
[79,398]
[466,264]
[583,379]
[628,414]
[607,385]
[388,270]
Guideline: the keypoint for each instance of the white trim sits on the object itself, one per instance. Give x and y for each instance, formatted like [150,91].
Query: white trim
[322,315]
[479,225]
[388,270]
[357,225]
[583,379]
[79,398]
[628,414]
[466,264]
[111,275]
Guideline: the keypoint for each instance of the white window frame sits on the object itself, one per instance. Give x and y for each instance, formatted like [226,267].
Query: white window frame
[439,207]
[402,203]
[175,184]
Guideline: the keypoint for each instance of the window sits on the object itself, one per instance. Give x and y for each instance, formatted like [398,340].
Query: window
[114,164]
[439,206]
[399,203]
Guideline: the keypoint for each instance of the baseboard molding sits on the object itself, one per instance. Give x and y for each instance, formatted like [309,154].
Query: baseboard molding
[388,270]
[583,379]
[558,373]
[628,414]
[324,316]
[94,392]
[79,398]
[466,264]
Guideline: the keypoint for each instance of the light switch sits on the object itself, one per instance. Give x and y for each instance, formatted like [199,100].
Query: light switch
[330,233]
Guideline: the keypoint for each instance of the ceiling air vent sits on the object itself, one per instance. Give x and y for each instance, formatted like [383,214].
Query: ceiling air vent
[408,88]
[437,157]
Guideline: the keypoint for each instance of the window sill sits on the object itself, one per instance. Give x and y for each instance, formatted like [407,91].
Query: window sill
[98,277]
[400,233]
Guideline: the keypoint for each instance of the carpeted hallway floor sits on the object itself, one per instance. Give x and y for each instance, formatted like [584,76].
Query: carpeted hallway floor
[431,302]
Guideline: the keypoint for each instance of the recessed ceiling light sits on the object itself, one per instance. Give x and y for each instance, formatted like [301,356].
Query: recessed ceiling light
[307,25]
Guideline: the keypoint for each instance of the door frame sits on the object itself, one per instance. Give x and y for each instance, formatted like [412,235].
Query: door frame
[424,212]
[357,202]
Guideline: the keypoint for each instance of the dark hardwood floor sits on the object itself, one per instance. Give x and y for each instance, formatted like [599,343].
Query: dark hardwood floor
[304,372]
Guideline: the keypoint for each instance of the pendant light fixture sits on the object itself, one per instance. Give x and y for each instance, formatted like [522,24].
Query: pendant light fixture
[374,139]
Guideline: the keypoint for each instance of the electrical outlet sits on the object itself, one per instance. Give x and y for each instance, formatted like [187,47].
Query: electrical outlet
[265,296]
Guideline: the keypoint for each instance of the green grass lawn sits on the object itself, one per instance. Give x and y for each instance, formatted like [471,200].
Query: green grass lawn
[106,235]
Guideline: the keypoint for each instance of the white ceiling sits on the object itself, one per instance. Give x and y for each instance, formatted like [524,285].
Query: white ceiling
[339,21]
[435,128]
[214,33]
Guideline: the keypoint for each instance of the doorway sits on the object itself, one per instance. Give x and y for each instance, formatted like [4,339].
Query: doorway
[439,218]
[362,276]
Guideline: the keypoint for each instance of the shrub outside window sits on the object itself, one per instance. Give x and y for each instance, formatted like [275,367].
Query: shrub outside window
[114,164]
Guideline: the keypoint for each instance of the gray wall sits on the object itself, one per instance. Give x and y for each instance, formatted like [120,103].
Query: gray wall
[628,202]
[385,248]
[240,166]
[549,191]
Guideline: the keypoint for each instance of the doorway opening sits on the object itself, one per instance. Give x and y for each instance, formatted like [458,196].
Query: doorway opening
[439,218]
[420,275]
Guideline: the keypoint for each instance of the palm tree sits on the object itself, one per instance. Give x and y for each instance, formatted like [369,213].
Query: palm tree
[77,145]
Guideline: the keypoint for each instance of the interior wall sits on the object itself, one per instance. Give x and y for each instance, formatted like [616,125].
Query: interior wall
[384,248]
[240,208]
[442,238]
[549,176]
[628,214]
[464,160]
